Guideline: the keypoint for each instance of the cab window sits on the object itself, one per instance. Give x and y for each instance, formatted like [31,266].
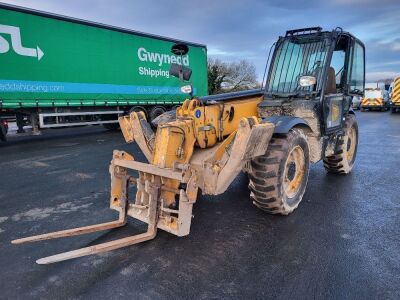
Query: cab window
[357,70]
[337,64]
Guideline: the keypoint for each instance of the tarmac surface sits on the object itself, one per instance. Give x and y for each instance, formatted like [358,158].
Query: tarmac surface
[342,242]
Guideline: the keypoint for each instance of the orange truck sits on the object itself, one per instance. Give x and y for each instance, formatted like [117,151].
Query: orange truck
[374,99]
[395,95]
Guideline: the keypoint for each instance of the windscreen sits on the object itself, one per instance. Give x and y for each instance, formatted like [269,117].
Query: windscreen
[376,93]
[296,57]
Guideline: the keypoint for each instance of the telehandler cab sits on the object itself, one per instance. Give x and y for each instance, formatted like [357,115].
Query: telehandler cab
[302,116]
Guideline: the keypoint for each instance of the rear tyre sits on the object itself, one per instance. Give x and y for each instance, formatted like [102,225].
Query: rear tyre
[342,161]
[138,109]
[278,178]
[393,110]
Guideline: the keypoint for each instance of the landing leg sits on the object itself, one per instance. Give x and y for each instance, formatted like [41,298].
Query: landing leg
[20,122]
[35,125]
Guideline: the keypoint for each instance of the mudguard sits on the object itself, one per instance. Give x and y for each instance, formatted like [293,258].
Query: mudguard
[284,123]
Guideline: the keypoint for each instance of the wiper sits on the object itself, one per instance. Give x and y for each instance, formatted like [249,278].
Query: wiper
[294,95]
[284,95]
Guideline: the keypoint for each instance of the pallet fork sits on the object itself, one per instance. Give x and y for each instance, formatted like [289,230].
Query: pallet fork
[149,187]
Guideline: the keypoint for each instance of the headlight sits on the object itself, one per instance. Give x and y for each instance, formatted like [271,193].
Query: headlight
[307,80]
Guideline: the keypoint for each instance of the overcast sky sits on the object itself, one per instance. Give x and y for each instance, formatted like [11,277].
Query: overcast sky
[233,30]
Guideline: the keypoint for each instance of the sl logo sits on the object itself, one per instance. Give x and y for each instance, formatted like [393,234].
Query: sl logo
[16,43]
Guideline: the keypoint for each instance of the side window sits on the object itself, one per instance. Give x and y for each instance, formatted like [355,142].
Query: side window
[357,70]
[337,64]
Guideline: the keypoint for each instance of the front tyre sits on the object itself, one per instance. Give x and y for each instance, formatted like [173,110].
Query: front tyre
[342,161]
[278,178]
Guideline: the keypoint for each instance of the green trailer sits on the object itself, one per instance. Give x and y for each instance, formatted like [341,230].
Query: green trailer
[60,71]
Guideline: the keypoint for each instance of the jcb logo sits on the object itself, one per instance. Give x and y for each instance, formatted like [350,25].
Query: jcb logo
[16,43]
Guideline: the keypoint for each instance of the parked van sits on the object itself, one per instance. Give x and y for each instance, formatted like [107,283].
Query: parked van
[375,99]
[395,95]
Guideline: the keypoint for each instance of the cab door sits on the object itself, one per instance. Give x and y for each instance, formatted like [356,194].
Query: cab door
[334,92]
[345,78]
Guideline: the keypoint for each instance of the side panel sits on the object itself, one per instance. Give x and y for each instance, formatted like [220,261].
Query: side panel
[50,62]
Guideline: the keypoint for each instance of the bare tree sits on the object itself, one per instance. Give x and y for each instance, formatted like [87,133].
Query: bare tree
[242,76]
[217,73]
[228,77]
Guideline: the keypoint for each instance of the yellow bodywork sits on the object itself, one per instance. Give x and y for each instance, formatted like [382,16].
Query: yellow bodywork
[212,123]
[204,147]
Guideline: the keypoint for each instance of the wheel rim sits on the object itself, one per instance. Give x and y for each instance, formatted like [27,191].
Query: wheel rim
[351,144]
[295,168]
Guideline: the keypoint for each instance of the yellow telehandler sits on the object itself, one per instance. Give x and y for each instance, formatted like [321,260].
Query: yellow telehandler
[301,116]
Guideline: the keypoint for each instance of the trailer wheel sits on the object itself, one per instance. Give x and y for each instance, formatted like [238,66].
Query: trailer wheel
[278,179]
[3,133]
[137,109]
[342,161]
[156,111]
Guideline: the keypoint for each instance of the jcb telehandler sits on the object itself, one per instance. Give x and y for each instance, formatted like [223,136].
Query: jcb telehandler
[302,116]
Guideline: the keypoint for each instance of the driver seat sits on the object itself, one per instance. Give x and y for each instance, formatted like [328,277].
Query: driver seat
[330,87]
